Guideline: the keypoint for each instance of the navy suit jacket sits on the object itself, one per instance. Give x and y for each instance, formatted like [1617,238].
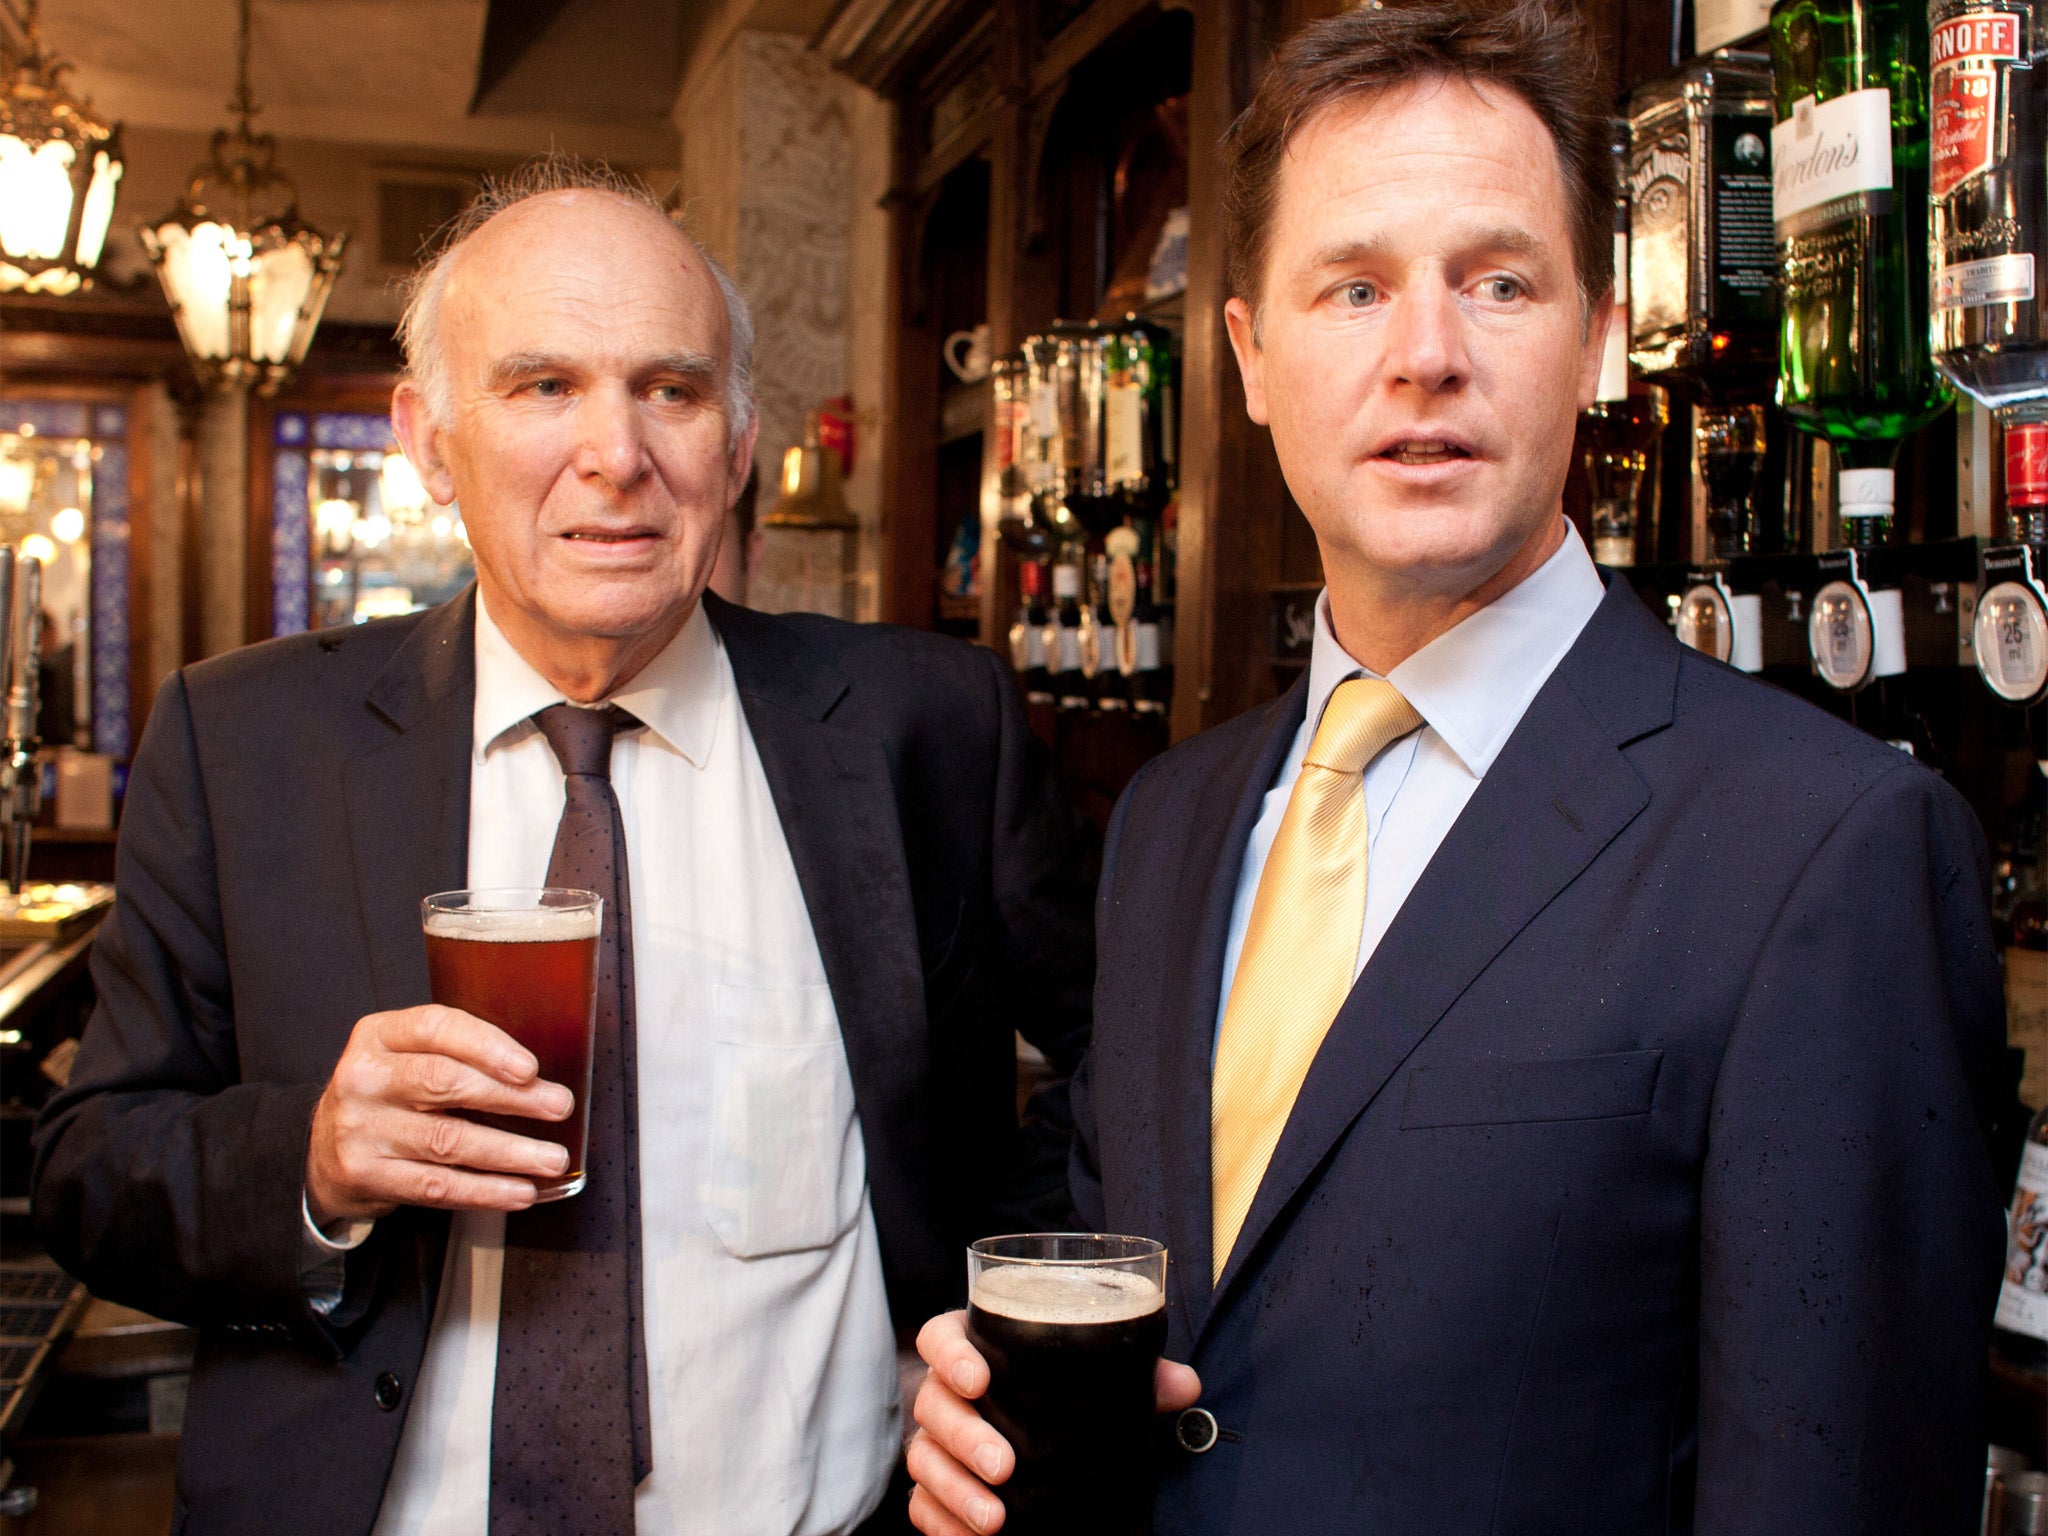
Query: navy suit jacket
[1638,1185]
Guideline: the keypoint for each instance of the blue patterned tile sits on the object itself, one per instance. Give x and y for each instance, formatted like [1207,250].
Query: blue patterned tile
[291,522]
[110,601]
[356,432]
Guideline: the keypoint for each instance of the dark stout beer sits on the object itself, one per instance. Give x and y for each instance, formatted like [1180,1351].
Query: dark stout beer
[1071,1351]
[533,973]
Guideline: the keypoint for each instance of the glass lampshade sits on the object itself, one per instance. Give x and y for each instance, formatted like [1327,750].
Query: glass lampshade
[60,168]
[247,296]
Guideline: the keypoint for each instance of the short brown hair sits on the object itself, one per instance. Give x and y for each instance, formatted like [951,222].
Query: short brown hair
[1539,49]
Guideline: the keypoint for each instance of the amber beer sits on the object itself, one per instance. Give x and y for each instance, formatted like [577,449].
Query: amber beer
[526,961]
[1072,1327]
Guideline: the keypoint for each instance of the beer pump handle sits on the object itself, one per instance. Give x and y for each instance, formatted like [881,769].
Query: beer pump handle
[22,774]
[7,618]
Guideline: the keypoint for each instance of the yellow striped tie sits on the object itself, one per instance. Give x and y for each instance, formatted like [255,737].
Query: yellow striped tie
[1300,952]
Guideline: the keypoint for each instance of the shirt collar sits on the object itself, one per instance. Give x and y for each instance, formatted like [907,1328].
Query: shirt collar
[1473,683]
[676,695]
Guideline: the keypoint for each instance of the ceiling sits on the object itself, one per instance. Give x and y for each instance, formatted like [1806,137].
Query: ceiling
[511,76]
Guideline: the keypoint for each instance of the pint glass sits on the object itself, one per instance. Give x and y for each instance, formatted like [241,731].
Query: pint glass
[526,961]
[1072,1326]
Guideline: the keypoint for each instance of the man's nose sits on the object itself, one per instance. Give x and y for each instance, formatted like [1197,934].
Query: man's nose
[613,441]
[1426,339]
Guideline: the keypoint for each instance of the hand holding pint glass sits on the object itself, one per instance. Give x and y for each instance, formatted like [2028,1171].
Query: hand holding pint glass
[476,1101]
[1061,1345]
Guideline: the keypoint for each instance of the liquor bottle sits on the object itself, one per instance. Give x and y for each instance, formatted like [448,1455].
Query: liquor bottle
[1618,433]
[2019,907]
[1988,181]
[1063,637]
[2020,1325]
[2026,475]
[1849,156]
[1027,635]
[1730,444]
[1702,315]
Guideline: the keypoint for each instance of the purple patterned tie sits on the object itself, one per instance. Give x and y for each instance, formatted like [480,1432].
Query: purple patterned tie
[569,1434]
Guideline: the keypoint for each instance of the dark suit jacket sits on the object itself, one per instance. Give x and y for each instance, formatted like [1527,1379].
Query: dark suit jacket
[1638,1185]
[289,806]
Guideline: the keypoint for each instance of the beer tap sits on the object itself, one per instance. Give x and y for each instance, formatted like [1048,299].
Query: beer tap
[21,776]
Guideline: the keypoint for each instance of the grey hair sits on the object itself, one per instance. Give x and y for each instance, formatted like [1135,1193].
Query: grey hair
[419,329]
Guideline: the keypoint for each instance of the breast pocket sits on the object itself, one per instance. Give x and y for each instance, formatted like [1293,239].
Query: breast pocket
[786,1166]
[1510,1092]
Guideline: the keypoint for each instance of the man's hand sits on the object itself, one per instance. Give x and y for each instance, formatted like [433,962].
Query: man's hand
[382,1134]
[950,1499]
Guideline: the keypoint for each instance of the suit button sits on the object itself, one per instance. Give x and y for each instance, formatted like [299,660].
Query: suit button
[388,1391]
[1196,1430]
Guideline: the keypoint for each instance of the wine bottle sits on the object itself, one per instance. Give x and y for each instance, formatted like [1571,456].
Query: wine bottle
[1849,163]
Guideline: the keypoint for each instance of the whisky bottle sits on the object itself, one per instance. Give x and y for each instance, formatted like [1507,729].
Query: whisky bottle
[1849,165]
[1702,315]
[1618,433]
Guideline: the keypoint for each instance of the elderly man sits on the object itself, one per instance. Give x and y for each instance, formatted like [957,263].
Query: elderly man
[1552,1065]
[834,877]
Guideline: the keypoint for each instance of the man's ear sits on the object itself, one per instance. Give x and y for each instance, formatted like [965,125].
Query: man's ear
[1251,361]
[421,438]
[1602,314]
[742,461]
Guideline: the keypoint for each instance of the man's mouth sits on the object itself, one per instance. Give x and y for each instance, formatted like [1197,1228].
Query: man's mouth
[1423,450]
[624,536]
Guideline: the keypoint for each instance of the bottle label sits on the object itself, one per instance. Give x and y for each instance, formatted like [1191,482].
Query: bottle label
[1659,182]
[1967,107]
[1991,280]
[2026,462]
[2023,1295]
[1066,581]
[1124,435]
[1614,356]
[1831,160]
[1745,257]
[1123,587]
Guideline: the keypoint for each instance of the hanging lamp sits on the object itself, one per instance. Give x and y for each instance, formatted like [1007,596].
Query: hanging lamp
[246,277]
[60,167]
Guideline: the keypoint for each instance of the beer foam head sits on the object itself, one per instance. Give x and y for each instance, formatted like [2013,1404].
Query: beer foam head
[530,925]
[1065,1293]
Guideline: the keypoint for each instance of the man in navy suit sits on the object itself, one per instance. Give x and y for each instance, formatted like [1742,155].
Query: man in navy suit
[1552,1058]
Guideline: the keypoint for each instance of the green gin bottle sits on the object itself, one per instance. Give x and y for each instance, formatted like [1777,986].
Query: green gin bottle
[1849,163]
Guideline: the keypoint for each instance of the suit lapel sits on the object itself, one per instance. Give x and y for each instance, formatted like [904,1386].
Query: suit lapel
[1213,857]
[1558,794]
[836,799]
[408,797]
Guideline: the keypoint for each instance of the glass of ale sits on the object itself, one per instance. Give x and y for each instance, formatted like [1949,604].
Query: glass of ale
[1072,1326]
[526,961]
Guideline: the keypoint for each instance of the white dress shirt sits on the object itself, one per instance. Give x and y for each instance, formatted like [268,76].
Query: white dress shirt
[771,1357]
[1471,685]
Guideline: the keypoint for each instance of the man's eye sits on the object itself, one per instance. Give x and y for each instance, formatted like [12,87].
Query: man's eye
[1501,290]
[1358,295]
[672,394]
[548,389]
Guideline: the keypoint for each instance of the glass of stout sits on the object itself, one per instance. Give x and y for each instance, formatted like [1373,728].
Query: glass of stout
[1072,1326]
[526,961]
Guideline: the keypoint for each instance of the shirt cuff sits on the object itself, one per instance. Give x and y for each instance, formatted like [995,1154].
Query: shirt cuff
[323,1260]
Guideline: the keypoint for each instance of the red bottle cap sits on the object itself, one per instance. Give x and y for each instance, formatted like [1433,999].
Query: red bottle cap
[2026,464]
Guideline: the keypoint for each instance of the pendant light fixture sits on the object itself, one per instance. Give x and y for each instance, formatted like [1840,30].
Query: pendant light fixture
[60,167]
[245,276]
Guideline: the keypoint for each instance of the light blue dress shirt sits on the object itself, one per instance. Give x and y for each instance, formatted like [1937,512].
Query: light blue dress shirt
[1471,685]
